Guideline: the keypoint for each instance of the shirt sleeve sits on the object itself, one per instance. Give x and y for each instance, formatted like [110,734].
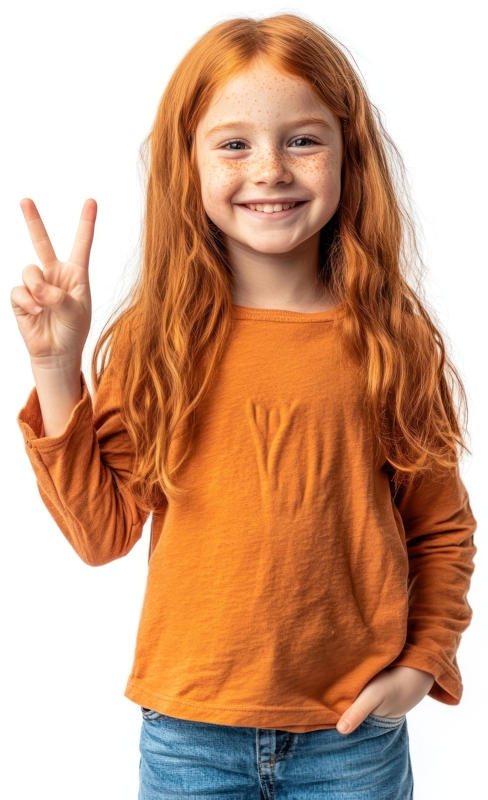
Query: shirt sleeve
[439,530]
[81,473]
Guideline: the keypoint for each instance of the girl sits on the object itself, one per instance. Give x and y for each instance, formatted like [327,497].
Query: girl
[277,398]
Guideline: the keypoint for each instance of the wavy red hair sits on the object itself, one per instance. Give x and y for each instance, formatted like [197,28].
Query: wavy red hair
[168,341]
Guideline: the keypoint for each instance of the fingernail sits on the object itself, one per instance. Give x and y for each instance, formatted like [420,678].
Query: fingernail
[343,726]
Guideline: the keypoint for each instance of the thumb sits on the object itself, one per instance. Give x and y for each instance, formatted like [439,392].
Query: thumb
[369,698]
[353,717]
[357,712]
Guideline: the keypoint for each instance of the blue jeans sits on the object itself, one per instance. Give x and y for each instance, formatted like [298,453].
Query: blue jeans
[185,759]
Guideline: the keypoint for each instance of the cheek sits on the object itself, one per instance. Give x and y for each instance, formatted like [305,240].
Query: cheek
[323,174]
[222,180]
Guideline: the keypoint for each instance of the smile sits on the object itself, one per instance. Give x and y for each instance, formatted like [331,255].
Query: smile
[272,215]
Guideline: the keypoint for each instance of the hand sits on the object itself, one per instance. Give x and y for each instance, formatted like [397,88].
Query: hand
[391,693]
[53,308]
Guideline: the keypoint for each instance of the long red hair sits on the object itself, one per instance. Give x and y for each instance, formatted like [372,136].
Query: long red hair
[166,343]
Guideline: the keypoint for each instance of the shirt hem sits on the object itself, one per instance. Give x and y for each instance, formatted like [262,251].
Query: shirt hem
[278,719]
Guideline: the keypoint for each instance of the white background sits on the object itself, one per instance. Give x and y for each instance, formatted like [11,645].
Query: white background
[80,86]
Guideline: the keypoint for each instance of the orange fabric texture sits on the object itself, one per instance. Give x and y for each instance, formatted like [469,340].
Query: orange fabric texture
[289,576]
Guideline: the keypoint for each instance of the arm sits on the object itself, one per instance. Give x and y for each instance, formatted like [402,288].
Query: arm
[81,472]
[439,527]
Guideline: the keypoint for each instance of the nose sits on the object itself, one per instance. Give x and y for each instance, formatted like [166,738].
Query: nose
[270,167]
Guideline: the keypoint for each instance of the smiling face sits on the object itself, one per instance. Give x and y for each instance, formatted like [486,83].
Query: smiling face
[270,149]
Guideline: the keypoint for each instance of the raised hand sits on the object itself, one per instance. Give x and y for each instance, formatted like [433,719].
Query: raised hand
[53,307]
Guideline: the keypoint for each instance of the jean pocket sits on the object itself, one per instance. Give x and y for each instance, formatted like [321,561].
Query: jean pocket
[148,713]
[384,722]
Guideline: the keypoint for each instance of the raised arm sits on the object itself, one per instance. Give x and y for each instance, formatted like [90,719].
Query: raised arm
[82,472]
[80,452]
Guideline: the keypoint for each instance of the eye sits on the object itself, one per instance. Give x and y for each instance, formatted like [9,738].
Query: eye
[306,138]
[234,141]
[297,139]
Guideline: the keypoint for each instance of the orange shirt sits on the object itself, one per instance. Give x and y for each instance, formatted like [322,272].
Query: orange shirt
[288,577]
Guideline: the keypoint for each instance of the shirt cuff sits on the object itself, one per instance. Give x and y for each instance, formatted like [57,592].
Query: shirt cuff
[447,686]
[31,423]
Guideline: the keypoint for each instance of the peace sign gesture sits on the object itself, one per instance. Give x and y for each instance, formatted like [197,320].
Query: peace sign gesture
[53,308]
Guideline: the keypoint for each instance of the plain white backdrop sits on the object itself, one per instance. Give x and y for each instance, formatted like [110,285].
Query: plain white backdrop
[80,86]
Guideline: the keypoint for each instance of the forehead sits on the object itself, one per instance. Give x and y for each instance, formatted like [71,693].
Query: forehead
[263,95]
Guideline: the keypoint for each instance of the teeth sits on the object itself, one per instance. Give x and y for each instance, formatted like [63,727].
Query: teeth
[270,208]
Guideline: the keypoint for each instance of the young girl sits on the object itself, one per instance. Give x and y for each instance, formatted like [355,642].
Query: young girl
[277,398]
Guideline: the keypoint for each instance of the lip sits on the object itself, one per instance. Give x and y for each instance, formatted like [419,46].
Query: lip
[276,214]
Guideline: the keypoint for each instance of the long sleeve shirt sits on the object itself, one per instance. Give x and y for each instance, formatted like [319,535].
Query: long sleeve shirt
[289,575]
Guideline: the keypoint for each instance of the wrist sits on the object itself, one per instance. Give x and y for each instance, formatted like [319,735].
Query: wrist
[61,364]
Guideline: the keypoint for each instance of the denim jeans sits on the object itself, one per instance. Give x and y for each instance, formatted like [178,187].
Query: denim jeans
[185,759]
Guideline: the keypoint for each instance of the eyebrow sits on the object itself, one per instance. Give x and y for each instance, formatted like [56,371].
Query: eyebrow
[293,124]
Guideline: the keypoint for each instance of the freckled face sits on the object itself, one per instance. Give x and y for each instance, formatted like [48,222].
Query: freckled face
[269,154]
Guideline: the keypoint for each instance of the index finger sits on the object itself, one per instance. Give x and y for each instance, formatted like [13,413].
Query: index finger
[35,226]
[80,252]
